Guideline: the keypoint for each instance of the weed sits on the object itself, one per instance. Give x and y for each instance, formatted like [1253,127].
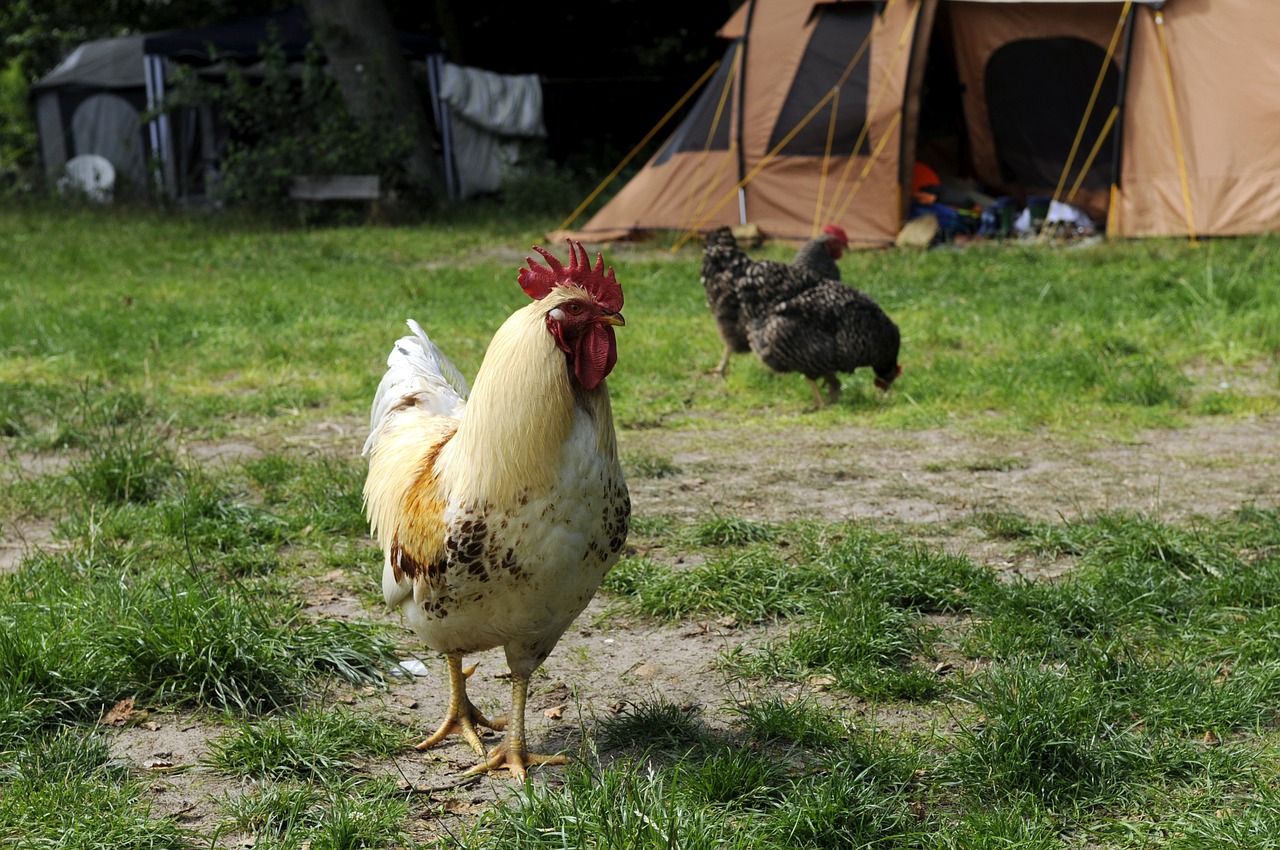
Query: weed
[803,723]
[340,814]
[62,789]
[1049,734]
[645,465]
[658,723]
[862,644]
[731,531]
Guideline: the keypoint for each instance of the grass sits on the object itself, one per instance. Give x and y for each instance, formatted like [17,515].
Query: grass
[318,744]
[211,321]
[293,816]
[1136,678]
[63,789]
[709,793]
[891,693]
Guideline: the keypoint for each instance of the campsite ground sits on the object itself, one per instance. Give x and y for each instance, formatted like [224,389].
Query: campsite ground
[928,486]
[1070,500]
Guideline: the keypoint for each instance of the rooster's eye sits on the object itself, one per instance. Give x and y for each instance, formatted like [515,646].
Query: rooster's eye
[574,308]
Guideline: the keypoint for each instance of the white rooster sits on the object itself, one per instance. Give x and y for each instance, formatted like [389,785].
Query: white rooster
[500,513]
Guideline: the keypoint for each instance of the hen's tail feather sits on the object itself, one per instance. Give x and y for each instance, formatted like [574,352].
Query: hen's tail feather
[418,374]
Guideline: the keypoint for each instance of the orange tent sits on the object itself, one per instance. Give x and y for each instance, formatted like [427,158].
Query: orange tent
[1159,119]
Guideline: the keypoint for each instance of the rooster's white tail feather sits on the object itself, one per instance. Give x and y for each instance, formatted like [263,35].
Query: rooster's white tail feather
[418,375]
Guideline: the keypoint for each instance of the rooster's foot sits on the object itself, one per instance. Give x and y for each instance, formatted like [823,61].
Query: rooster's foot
[514,759]
[465,723]
[462,717]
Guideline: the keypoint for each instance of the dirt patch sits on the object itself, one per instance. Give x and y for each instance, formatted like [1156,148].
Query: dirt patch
[167,749]
[944,477]
[21,538]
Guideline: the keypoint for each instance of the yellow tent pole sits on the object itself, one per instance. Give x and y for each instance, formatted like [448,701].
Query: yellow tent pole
[1113,212]
[826,163]
[866,127]
[817,107]
[1093,99]
[752,173]
[1173,119]
[706,148]
[871,161]
[759,166]
[1093,153]
[612,174]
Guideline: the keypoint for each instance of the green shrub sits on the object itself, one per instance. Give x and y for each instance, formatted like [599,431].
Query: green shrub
[287,124]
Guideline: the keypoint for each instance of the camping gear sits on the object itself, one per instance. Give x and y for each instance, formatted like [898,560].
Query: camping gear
[1158,119]
[94,102]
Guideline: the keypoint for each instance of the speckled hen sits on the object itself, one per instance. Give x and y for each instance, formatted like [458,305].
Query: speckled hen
[724,266]
[500,513]
[827,328]
[820,253]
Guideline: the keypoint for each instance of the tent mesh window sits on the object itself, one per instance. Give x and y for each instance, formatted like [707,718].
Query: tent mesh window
[1037,91]
[701,129]
[840,31]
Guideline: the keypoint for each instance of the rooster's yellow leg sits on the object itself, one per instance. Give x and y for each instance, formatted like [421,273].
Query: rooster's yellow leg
[512,753]
[462,717]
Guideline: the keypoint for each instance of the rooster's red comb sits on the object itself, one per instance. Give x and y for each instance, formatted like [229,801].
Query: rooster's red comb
[837,231]
[537,280]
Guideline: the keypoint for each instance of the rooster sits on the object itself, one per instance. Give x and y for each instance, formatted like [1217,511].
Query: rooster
[499,512]
[724,265]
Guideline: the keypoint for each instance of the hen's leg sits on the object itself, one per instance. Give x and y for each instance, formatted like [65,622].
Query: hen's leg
[817,394]
[833,387]
[462,717]
[723,368]
[512,753]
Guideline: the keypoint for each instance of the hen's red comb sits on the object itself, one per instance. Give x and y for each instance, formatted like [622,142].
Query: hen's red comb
[837,231]
[537,280]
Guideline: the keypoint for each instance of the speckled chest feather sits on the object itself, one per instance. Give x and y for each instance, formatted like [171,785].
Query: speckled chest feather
[519,573]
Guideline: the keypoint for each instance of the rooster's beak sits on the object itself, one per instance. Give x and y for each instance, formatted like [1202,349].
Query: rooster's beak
[614,319]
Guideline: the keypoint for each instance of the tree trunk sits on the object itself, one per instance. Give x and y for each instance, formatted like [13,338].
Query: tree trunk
[366,61]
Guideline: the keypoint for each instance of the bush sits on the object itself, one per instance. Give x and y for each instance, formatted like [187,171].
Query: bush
[17,133]
[288,123]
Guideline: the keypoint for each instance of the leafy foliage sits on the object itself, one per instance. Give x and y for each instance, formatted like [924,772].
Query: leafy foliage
[285,124]
[17,134]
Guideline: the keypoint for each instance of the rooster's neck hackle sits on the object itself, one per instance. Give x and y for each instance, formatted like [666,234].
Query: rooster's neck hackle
[520,413]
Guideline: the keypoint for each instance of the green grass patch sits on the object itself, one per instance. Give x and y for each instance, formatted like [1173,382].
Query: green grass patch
[63,789]
[1129,703]
[647,465]
[701,792]
[83,630]
[323,494]
[292,816]
[210,320]
[758,572]
[317,744]
[856,642]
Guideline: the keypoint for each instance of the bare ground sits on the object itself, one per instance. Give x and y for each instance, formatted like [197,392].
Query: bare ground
[936,480]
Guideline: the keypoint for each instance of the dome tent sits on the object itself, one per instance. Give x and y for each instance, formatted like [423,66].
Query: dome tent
[1156,117]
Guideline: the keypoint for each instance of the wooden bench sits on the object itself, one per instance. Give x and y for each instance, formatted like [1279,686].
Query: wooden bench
[339,187]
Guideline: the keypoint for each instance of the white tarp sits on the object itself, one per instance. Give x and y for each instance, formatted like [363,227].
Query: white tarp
[489,115]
